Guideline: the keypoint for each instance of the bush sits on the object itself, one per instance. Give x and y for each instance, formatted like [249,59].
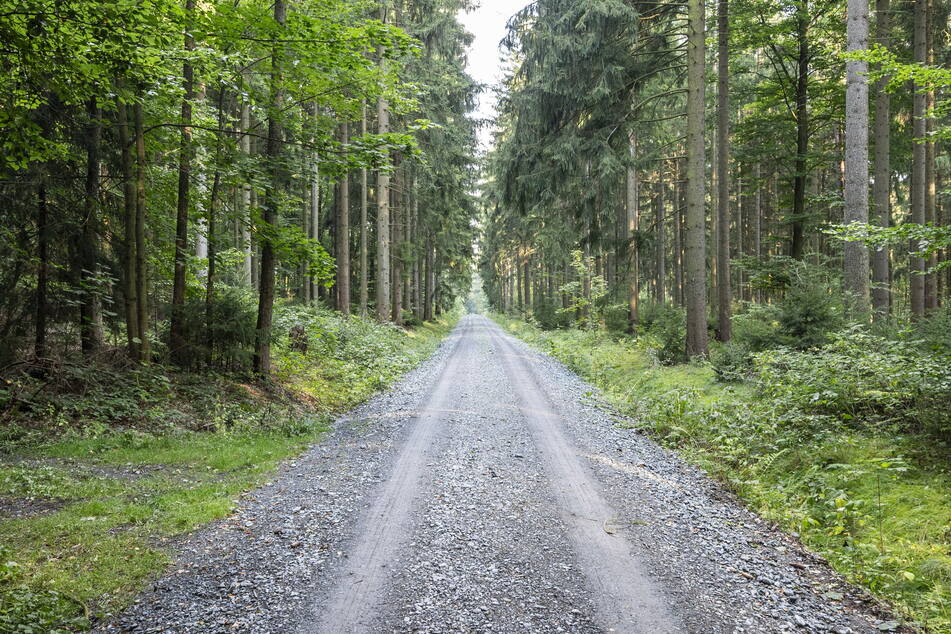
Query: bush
[410,320]
[809,313]
[617,318]
[666,332]
[862,380]
[935,332]
[549,316]
[229,344]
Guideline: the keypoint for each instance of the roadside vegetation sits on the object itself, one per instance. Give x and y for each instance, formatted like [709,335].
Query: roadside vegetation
[104,466]
[843,442]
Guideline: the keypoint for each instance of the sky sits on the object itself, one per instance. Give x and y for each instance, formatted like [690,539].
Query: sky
[487,24]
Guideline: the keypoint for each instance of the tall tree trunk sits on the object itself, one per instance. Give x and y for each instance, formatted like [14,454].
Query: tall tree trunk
[881,189]
[314,208]
[660,246]
[798,219]
[211,227]
[130,286]
[724,291]
[343,234]
[919,158]
[364,203]
[177,343]
[417,263]
[397,246]
[856,261]
[42,271]
[383,211]
[141,270]
[244,196]
[633,294]
[212,268]
[430,282]
[931,279]
[695,255]
[90,309]
[262,343]
[678,237]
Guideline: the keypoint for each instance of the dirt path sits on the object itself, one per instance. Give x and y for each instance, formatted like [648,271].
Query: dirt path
[489,492]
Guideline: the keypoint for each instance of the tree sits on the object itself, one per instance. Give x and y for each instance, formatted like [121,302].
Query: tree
[262,345]
[856,259]
[695,254]
[724,293]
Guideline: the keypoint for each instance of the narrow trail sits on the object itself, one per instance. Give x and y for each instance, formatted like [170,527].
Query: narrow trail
[490,492]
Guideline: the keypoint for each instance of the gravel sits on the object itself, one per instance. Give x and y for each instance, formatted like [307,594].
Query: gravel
[473,535]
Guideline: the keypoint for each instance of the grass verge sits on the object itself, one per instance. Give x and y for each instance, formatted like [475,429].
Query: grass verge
[101,476]
[875,502]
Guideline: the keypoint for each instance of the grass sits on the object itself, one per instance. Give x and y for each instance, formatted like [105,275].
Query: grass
[876,503]
[123,487]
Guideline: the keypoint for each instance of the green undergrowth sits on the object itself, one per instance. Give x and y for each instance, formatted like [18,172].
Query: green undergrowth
[104,468]
[858,477]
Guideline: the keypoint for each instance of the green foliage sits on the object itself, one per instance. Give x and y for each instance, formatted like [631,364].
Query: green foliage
[863,380]
[665,331]
[584,292]
[549,315]
[26,610]
[928,238]
[346,359]
[617,318]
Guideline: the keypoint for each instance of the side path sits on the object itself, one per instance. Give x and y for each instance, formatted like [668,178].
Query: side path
[489,492]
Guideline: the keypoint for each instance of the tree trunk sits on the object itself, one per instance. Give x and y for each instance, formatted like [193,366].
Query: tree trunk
[343,234]
[881,189]
[141,270]
[919,158]
[931,279]
[42,272]
[262,342]
[724,291]
[856,260]
[130,286]
[417,264]
[397,245]
[430,282]
[695,255]
[364,203]
[802,133]
[678,238]
[660,247]
[244,209]
[177,343]
[90,308]
[633,294]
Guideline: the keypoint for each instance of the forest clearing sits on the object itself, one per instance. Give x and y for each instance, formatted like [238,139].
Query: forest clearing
[448,316]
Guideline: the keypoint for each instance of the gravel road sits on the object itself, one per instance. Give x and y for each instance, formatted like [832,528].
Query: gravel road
[492,491]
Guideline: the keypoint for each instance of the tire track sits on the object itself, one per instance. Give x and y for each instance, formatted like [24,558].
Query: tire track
[351,606]
[628,599]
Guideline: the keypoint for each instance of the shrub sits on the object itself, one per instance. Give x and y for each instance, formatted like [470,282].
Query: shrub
[548,315]
[809,314]
[666,334]
[229,344]
[617,318]
[862,379]
[935,332]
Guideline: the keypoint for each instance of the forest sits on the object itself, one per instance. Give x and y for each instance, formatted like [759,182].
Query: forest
[227,222]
